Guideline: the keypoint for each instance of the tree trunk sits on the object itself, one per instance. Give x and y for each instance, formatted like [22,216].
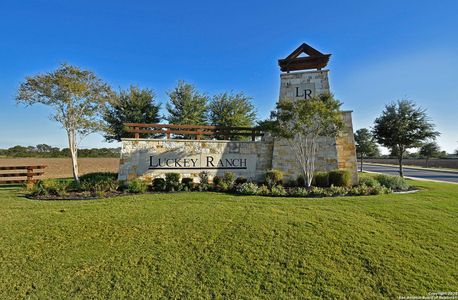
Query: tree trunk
[427,160]
[401,171]
[73,151]
[361,163]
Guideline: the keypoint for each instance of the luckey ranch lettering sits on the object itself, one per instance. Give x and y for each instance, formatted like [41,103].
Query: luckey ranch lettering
[208,162]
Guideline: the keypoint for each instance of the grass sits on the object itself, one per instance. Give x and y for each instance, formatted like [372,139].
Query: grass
[210,245]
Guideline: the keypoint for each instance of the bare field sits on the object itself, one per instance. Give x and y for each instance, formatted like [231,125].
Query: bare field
[62,167]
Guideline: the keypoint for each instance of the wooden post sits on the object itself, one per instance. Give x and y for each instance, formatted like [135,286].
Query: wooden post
[137,135]
[29,181]
[168,133]
[253,135]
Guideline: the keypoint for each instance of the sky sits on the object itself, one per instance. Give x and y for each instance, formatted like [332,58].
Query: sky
[382,51]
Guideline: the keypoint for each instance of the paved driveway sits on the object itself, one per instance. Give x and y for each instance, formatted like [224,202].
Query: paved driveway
[414,173]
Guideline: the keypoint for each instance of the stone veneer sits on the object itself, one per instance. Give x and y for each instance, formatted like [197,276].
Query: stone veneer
[136,153]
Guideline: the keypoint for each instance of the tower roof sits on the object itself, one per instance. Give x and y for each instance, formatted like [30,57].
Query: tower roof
[294,62]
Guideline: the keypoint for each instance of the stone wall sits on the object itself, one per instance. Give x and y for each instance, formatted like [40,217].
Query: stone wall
[150,158]
[332,153]
[298,85]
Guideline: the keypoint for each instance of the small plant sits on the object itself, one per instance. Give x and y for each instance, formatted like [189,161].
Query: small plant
[263,190]
[360,190]
[338,190]
[99,182]
[278,190]
[203,177]
[321,179]
[187,183]
[136,186]
[158,185]
[229,178]
[223,186]
[368,181]
[396,183]
[317,192]
[298,192]
[240,180]
[273,177]
[49,187]
[216,180]
[339,178]
[202,187]
[172,182]
[248,188]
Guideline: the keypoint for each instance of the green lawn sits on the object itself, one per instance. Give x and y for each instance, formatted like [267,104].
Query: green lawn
[210,245]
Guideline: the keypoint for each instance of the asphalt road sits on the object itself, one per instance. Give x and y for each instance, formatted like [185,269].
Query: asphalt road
[414,173]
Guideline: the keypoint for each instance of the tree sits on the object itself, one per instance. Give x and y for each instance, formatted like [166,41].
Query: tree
[429,150]
[134,105]
[365,144]
[301,123]
[77,97]
[401,126]
[186,105]
[231,110]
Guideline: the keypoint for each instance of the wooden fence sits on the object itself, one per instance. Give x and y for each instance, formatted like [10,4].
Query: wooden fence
[197,131]
[26,172]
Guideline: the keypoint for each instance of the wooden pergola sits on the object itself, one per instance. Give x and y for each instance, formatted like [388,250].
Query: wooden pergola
[314,59]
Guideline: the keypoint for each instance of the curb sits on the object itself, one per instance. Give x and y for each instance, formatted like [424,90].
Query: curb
[415,168]
[416,178]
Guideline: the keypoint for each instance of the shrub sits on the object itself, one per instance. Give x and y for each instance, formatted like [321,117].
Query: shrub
[248,188]
[300,180]
[321,179]
[240,180]
[49,187]
[136,186]
[159,185]
[273,177]
[298,192]
[380,190]
[223,186]
[339,178]
[202,187]
[360,190]
[395,183]
[318,192]
[338,190]
[229,178]
[368,181]
[99,182]
[172,182]
[216,180]
[203,177]
[263,190]
[187,182]
[278,190]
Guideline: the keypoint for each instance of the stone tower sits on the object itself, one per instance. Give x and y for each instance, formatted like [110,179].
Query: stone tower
[302,77]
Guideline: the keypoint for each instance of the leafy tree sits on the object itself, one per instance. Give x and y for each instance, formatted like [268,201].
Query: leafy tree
[186,105]
[231,110]
[401,126]
[301,123]
[134,105]
[77,97]
[429,150]
[365,144]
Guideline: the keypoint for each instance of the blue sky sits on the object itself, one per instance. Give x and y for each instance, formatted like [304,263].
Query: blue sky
[381,51]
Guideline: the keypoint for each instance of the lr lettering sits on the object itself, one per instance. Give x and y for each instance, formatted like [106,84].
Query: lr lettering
[307,93]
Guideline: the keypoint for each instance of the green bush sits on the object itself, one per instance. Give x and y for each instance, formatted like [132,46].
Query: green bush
[240,180]
[223,186]
[300,180]
[395,183]
[202,187]
[216,180]
[172,182]
[298,192]
[229,178]
[339,178]
[368,181]
[49,187]
[159,185]
[248,188]
[99,182]
[136,186]
[338,190]
[321,179]
[203,177]
[187,183]
[278,190]
[318,192]
[360,190]
[263,190]
[273,177]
